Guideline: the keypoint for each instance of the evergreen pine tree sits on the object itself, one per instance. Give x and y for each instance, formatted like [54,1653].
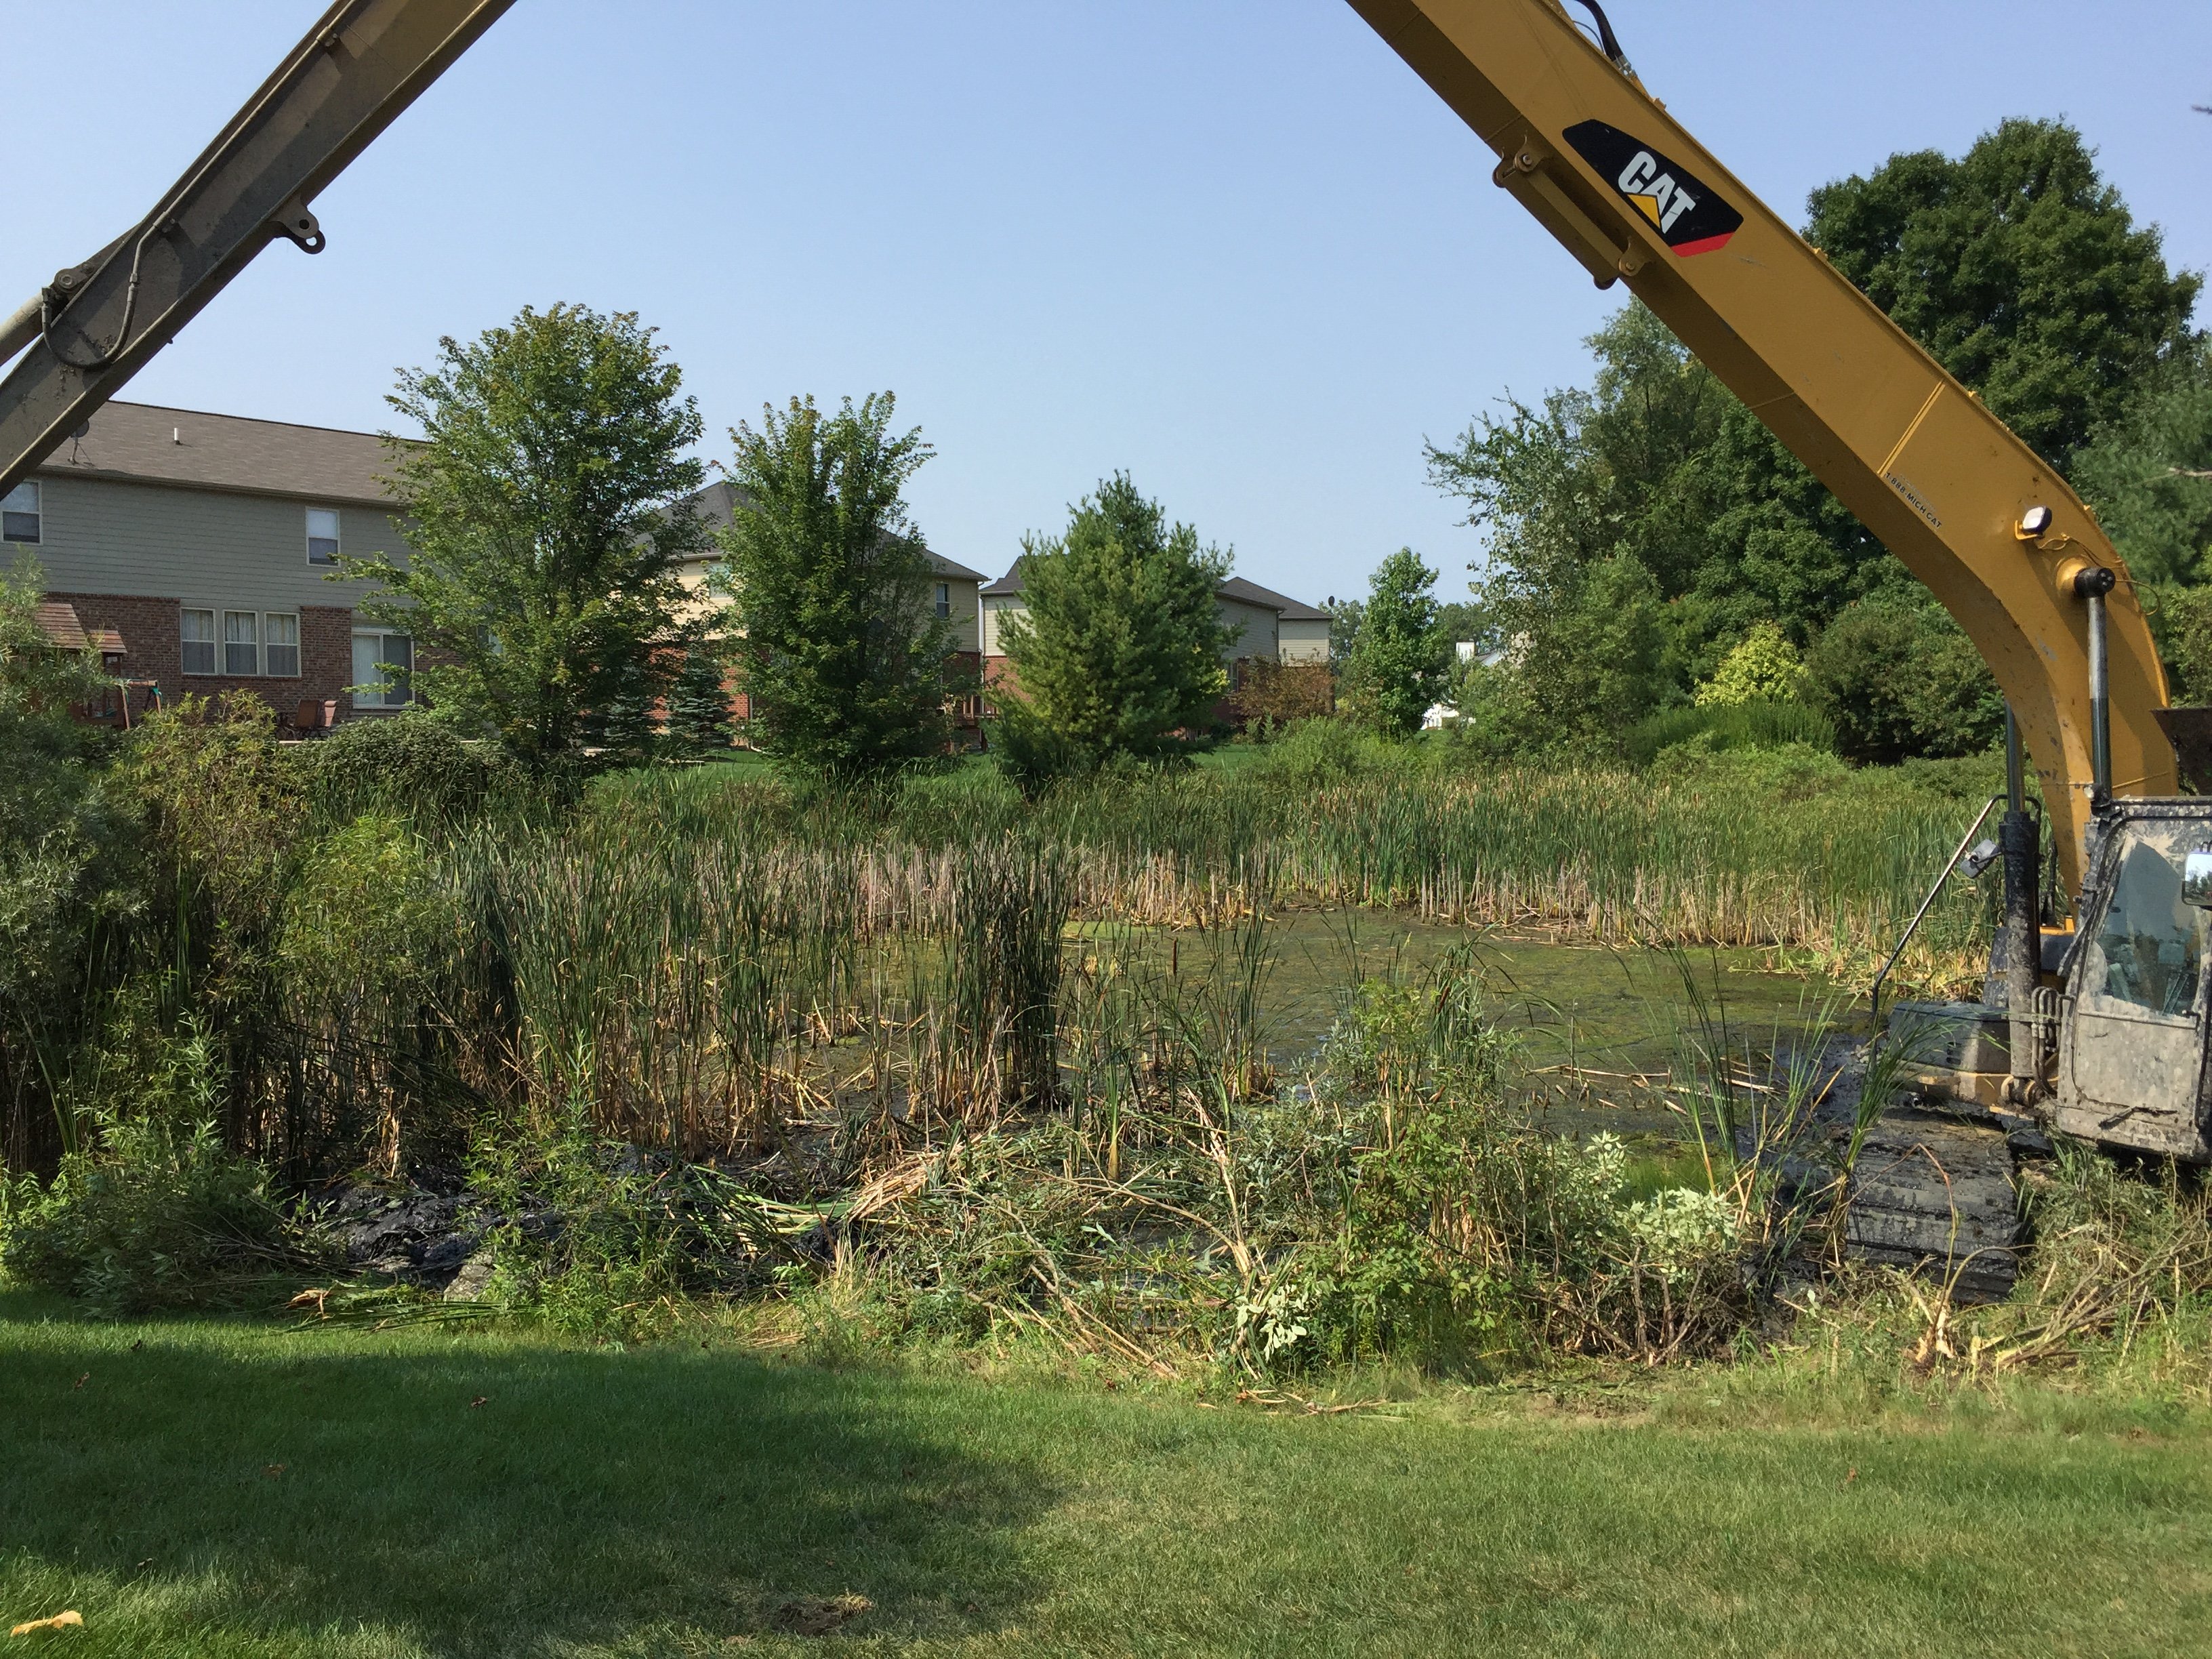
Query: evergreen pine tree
[699,704]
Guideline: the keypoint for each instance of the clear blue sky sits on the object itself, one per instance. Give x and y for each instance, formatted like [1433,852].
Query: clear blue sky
[1231,245]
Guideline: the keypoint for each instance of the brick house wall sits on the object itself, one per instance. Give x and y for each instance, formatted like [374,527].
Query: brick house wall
[325,657]
[999,679]
[152,635]
[152,631]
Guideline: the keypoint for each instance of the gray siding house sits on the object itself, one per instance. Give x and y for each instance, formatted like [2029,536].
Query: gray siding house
[203,543]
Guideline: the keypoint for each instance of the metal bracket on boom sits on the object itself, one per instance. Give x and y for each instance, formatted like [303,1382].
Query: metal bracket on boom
[67,284]
[1523,176]
[297,225]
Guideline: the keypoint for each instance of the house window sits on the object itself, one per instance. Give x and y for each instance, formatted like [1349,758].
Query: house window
[322,535]
[280,645]
[945,598]
[19,514]
[241,643]
[199,642]
[382,663]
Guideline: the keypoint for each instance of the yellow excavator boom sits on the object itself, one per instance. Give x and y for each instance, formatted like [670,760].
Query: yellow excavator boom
[1995,534]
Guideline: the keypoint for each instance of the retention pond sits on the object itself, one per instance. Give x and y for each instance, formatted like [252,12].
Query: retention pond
[1600,1028]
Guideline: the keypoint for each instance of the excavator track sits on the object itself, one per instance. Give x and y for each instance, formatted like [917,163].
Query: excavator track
[1934,1191]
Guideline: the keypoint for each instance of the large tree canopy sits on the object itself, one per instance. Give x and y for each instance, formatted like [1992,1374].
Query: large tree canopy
[2020,270]
[547,500]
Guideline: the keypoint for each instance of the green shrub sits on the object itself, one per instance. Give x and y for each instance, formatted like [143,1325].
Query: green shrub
[1899,679]
[411,763]
[1316,754]
[1459,1227]
[1032,752]
[363,917]
[1449,1212]
[368,943]
[156,1213]
[589,1245]
[68,865]
[1762,667]
[1786,773]
[1967,780]
[223,815]
[1758,724]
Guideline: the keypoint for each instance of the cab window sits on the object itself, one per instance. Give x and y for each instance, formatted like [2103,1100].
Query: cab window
[2150,946]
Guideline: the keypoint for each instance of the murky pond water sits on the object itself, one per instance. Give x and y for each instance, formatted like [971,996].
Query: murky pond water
[1598,1026]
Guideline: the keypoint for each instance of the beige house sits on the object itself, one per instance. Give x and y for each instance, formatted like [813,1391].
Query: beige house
[1271,627]
[195,548]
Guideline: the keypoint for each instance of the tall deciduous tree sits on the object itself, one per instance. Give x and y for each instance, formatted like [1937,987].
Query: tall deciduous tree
[547,500]
[1578,502]
[2149,474]
[2020,269]
[829,584]
[2023,272]
[1121,643]
[1400,660]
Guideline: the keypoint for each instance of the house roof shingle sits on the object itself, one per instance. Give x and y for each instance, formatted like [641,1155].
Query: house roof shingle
[1252,593]
[148,443]
[58,619]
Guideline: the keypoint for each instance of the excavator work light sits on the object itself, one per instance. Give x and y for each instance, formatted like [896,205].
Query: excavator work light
[2034,524]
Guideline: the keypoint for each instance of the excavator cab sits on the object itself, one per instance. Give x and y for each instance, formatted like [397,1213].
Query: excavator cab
[2131,1067]
[2112,1049]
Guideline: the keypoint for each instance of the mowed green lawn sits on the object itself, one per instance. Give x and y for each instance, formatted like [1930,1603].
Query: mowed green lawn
[214,1488]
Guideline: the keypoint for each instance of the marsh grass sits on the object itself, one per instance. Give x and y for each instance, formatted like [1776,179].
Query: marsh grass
[1012,1061]
[694,950]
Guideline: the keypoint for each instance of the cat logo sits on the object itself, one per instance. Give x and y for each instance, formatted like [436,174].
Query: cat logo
[1690,218]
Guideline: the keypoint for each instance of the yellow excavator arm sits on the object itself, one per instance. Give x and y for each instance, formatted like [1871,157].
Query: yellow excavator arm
[86,333]
[1995,534]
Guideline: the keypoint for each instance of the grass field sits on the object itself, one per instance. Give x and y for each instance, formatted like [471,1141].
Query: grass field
[202,1488]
